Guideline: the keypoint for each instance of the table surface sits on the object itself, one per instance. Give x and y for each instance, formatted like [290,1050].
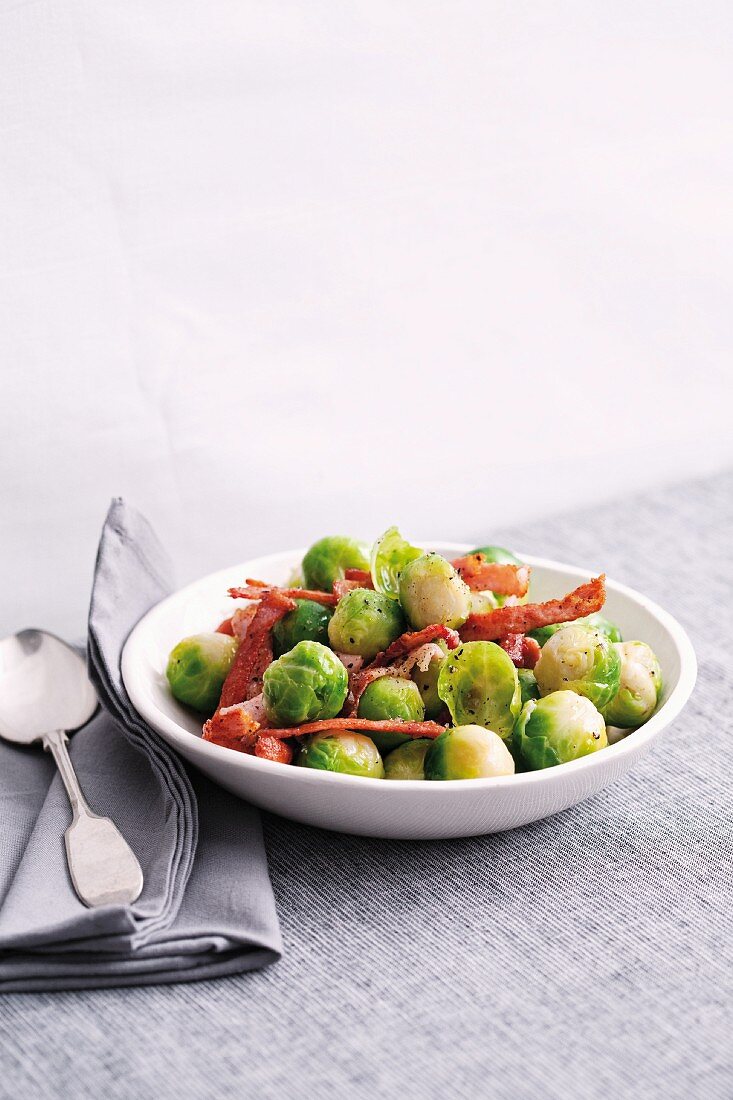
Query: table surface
[415,968]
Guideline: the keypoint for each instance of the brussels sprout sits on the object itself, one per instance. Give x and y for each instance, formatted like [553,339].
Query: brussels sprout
[468,752]
[579,659]
[560,727]
[391,697]
[365,622]
[306,684]
[390,554]
[408,760]
[481,602]
[427,683]
[335,751]
[479,683]
[327,560]
[527,684]
[502,557]
[595,622]
[431,591]
[198,667]
[308,623]
[639,689]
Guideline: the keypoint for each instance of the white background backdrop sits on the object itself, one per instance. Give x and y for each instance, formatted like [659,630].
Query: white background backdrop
[278,270]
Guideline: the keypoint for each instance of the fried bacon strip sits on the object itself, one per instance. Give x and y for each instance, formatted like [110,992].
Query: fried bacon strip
[415,638]
[524,651]
[492,625]
[363,725]
[481,575]
[232,728]
[255,652]
[225,627]
[342,588]
[361,576]
[256,590]
[274,748]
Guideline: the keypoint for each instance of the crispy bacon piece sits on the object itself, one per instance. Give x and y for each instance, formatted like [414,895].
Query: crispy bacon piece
[342,588]
[491,625]
[256,590]
[274,748]
[413,639]
[361,681]
[232,728]
[524,651]
[363,577]
[255,652]
[481,575]
[363,725]
[242,618]
[225,627]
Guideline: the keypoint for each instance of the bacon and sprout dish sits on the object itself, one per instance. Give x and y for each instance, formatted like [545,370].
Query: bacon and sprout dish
[397,663]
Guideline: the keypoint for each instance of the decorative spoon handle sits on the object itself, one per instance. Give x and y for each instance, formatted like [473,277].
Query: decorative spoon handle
[104,870]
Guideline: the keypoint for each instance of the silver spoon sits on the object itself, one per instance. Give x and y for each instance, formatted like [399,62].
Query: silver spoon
[44,695]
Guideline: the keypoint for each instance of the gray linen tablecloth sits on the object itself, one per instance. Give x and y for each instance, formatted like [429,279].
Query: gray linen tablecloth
[588,955]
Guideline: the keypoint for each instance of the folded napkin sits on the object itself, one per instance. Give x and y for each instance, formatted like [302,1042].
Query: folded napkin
[207,906]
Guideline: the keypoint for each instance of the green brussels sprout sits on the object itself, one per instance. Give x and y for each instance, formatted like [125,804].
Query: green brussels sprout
[527,684]
[407,761]
[639,689]
[481,602]
[337,751]
[390,554]
[327,560]
[427,683]
[502,557]
[560,727]
[197,668]
[468,752]
[431,591]
[479,683]
[306,684]
[391,697]
[595,622]
[579,659]
[365,622]
[308,623]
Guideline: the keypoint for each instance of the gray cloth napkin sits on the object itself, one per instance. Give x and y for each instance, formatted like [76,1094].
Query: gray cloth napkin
[207,907]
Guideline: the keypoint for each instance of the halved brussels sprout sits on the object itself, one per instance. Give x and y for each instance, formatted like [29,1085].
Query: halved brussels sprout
[596,622]
[527,684]
[197,668]
[468,752]
[479,684]
[308,623]
[560,727]
[391,697]
[408,760]
[365,622]
[579,659]
[306,684]
[427,683]
[336,751]
[327,560]
[431,591]
[390,554]
[640,686]
[503,557]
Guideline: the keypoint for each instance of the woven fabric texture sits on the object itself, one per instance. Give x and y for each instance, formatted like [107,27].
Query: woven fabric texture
[588,955]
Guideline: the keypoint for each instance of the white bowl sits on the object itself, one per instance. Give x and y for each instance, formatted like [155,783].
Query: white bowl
[398,809]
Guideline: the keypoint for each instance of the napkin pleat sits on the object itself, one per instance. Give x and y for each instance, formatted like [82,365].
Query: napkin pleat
[207,906]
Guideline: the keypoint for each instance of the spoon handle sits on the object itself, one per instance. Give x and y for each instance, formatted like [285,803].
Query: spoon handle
[104,870]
